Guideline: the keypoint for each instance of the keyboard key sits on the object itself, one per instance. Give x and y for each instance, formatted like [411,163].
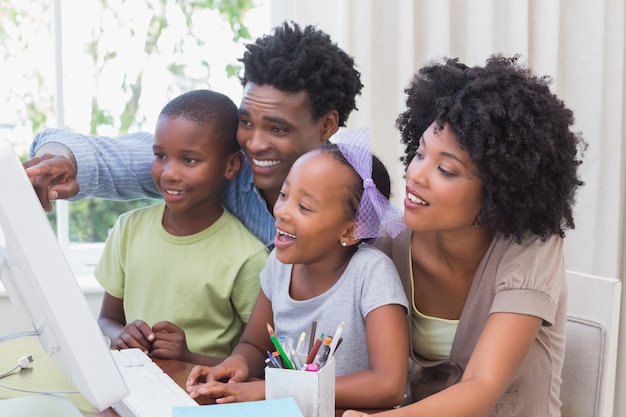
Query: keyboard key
[152,392]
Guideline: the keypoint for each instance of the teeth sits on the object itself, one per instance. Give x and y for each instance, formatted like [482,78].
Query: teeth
[415,200]
[265,163]
[287,234]
[174,192]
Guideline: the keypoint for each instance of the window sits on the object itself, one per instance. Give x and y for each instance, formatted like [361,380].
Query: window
[109,72]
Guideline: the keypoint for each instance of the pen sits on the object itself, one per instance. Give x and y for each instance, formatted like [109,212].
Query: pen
[269,363]
[335,342]
[283,341]
[313,352]
[338,343]
[273,361]
[279,348]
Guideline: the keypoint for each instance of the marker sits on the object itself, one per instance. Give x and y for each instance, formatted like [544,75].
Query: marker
[312,368]
[313,352]
[301,342]
[279,348]
[294,357]
[324,353]
[335,342]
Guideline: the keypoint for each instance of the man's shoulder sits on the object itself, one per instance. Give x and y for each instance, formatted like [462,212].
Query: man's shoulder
[238,232]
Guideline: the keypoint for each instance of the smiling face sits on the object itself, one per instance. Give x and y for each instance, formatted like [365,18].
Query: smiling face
[311,212]
[190,165]
[443,192]
[275,129]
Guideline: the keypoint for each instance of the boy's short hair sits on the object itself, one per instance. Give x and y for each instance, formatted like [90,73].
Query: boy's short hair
[207,107]
[293,59]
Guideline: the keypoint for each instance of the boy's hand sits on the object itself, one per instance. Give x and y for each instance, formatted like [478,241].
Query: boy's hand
[169,342]
[135,335]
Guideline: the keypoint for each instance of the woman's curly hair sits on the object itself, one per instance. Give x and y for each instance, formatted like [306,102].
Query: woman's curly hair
[516,132]
[294,59]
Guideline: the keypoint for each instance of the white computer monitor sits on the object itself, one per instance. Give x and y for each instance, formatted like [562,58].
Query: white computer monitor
[40,283]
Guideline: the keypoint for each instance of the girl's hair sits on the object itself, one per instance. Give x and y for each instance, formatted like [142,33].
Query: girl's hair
[380,176]
[516,132]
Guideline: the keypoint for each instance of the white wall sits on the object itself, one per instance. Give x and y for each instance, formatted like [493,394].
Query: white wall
[12,320]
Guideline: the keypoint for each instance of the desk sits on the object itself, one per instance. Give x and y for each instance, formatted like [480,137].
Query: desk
[45,375]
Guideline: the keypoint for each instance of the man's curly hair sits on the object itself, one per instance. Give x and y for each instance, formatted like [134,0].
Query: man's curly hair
[293,59]
[515,130]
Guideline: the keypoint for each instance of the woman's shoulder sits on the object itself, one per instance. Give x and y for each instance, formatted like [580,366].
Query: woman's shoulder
[389,245]
[531,245]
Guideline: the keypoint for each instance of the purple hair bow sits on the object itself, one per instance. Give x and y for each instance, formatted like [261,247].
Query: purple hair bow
[376,215]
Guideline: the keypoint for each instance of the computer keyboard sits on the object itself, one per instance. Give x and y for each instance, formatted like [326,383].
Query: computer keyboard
[152,392]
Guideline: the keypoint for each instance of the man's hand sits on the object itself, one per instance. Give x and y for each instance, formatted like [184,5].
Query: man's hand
[52,173]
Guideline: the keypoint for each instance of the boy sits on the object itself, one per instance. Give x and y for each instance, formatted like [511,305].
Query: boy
[181,277]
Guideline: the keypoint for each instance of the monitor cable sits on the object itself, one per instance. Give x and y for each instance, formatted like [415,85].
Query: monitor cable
[24,362]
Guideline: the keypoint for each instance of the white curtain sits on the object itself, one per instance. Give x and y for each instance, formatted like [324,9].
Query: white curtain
[579,43]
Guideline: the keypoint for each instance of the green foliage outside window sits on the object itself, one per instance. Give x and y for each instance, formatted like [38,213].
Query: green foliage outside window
[91,219]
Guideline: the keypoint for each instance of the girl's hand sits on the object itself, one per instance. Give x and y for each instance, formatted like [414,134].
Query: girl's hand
[230,392]
[233,369]
[352,413]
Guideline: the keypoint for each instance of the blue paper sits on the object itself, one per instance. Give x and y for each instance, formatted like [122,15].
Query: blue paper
[282,407]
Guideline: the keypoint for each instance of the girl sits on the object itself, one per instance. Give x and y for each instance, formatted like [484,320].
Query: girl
[333,199]
[490,189]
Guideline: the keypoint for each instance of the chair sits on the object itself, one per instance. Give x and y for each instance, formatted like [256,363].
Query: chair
[588,386]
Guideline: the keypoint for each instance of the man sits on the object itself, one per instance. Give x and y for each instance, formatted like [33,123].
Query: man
[299,88]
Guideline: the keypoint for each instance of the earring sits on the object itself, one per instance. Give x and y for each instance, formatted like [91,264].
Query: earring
[344,244]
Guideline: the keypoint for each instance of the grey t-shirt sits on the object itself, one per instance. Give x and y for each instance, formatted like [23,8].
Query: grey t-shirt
[370,281]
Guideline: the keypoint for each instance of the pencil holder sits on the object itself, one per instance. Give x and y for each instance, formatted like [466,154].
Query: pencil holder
[314,392]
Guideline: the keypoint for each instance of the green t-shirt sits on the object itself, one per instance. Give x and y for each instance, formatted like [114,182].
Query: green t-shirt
[206,283]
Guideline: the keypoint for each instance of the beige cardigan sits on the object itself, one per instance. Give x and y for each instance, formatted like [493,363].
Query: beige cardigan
[526,278]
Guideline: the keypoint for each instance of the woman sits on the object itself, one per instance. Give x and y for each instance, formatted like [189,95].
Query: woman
[490,186]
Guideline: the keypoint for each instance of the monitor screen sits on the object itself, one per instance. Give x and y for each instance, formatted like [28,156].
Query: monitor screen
[40,283]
